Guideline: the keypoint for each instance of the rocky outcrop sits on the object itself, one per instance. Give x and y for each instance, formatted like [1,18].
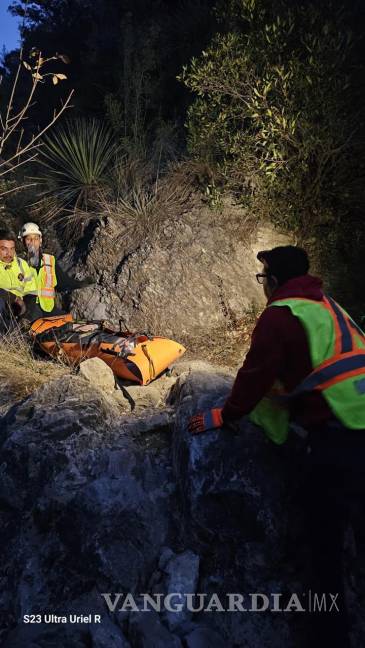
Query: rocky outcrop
[198,274]
[98,504]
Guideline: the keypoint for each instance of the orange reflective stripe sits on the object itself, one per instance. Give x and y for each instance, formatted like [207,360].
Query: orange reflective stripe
[337,349]
[47,292]
[325,303]
[346,338]
[47,265]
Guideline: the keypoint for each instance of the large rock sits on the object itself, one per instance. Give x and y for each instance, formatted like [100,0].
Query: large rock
[150,396]
[231,480]
[204,637]
[182,573]
[98,373]
[232,487]
[147,631]
[198,274]
[146,397]
[93,502]
[86,502]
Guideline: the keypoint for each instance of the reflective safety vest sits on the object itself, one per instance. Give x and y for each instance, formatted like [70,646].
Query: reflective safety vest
[17,277]
[46,282]
[337,351]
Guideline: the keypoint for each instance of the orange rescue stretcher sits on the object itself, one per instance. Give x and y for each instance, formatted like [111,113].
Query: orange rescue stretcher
[138,357]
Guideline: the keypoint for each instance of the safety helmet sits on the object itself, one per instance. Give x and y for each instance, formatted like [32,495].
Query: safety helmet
[29,228]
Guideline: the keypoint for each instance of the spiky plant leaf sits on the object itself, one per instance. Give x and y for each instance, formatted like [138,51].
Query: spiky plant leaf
[76,159]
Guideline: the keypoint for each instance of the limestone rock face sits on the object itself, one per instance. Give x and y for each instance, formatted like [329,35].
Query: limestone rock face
[85,504]
[146,630]
[97,505]
[197,275]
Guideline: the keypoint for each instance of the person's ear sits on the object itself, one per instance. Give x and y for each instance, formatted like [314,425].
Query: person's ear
[273,282]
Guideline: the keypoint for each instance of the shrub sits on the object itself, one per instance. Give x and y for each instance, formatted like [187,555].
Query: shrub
[275,109]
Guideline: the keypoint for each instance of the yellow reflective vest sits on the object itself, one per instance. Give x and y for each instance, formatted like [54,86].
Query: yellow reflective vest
[18,278]
[46,282]
[337,350]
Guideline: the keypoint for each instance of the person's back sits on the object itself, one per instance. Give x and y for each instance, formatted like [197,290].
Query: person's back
[280,351]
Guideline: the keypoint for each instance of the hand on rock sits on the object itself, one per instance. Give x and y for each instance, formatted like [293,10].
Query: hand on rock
[205,421]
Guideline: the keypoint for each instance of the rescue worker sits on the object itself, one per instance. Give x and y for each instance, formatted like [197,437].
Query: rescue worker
[306,363]
[50,277]
[16,281]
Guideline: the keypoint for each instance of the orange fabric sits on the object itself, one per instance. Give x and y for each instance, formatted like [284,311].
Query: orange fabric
[150,357]
[217,416]
[45,323]
[337,348]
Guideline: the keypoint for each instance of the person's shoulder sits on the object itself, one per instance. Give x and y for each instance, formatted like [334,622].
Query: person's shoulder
[20,261]
[275,314]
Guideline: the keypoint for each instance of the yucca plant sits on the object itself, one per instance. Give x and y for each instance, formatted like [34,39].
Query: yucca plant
[75,160]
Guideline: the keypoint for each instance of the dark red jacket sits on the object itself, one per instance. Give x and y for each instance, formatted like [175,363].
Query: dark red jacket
[279,350]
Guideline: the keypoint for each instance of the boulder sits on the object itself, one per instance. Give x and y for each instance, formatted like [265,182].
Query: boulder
[87,502]
[204,637]
[146,397]
[189,366]
[182,573]
[147,631]
[93,501]
[122,401]
[209,260]
[98,373]
[231,482]
[107,634]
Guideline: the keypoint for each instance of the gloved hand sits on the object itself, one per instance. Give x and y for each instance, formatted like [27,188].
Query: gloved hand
[205,421]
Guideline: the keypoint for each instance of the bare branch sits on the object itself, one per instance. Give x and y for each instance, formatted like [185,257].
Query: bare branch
[35,140]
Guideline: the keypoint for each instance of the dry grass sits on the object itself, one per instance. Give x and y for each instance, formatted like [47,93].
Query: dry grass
[142,200]
[226,345]
[20,371]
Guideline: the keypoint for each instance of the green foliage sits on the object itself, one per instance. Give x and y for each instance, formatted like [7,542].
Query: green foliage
[76,160]
[274,108]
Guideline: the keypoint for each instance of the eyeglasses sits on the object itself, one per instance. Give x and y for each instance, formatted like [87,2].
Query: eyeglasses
[261,277]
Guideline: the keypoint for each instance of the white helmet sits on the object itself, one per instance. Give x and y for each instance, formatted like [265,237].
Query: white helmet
[29,228]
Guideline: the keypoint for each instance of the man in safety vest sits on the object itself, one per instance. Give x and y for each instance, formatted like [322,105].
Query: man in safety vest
[48,274]
[306,363]
[16,281]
